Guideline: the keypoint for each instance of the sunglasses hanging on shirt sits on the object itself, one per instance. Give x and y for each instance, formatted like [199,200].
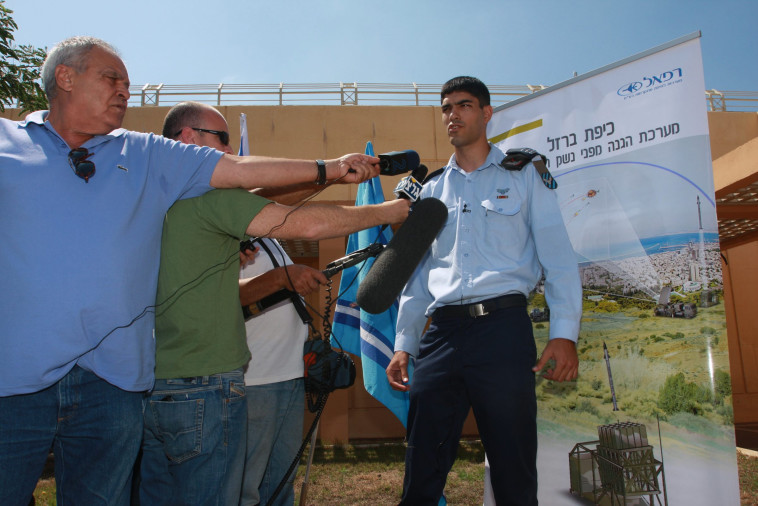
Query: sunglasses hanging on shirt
[77,159]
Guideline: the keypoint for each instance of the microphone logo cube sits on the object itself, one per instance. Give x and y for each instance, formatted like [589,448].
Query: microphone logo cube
[408,188]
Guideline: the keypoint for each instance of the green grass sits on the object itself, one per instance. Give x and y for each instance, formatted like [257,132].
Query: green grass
[748,469]
[373,474]
[360,474]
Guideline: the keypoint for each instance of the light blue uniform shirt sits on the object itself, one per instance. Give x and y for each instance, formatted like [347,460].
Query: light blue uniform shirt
[80,260]
[504,228]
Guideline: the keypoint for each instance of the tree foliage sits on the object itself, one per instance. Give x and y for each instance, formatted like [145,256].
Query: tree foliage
[678,395]
[19,68]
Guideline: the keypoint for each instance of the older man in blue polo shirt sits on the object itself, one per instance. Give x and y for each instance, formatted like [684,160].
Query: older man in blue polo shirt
[83,203]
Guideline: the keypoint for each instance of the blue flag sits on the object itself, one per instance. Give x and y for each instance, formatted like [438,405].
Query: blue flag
[369,336]
[244,147]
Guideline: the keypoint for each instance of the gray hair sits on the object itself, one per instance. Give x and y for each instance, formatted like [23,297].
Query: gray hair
[71,52]
[181,115]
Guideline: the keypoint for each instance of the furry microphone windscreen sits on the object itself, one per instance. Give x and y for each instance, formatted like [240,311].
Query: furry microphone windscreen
[394,266]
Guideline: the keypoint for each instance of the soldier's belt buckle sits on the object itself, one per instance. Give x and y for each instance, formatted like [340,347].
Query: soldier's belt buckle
[477,310]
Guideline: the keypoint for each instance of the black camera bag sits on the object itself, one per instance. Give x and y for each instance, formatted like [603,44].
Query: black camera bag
[326,369]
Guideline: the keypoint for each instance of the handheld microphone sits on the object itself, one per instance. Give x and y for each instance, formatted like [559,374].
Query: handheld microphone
[353,258]
[410,186]
[394,266]
[398,162]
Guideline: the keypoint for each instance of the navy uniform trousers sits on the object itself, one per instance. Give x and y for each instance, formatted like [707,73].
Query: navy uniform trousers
[482,363]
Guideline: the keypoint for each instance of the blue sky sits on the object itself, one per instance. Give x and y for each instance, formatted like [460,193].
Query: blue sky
[395,41]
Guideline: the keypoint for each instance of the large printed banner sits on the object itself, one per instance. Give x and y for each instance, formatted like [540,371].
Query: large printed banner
[650,418]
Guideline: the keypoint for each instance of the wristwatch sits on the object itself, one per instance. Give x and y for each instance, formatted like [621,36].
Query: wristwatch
[321,179]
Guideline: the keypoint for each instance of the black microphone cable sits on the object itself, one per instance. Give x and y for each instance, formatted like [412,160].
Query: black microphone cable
[151,308]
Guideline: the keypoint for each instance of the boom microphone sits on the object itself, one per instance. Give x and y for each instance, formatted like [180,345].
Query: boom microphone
[394,266]
[398,162]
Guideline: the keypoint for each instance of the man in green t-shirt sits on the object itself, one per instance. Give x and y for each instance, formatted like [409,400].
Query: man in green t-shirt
[195,418]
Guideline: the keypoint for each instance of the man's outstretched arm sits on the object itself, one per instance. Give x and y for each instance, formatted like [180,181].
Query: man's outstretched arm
[294,277]
[263,172]
[323,221]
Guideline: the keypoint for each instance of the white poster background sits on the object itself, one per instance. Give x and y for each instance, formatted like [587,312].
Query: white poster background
[628,145]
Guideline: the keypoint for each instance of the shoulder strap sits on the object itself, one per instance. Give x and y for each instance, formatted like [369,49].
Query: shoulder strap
[272,299]
[271,255]
[433,175]
[517,158]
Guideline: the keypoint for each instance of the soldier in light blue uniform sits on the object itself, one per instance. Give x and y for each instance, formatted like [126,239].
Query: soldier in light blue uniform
[504,230]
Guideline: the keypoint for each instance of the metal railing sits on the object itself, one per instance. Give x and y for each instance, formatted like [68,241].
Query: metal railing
[412,94]
[732,100]
[408,94]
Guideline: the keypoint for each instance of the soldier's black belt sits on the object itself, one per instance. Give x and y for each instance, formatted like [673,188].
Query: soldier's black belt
[482,308]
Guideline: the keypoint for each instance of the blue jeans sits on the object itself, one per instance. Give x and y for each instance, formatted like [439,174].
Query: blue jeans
[94,429]
[194,441]
[274,435]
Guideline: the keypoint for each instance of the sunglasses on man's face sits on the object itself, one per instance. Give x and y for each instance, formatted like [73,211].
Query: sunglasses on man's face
[77,159]
[222,136]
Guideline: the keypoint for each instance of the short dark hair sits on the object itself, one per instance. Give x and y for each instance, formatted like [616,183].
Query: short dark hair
[468,84]
[181,115]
